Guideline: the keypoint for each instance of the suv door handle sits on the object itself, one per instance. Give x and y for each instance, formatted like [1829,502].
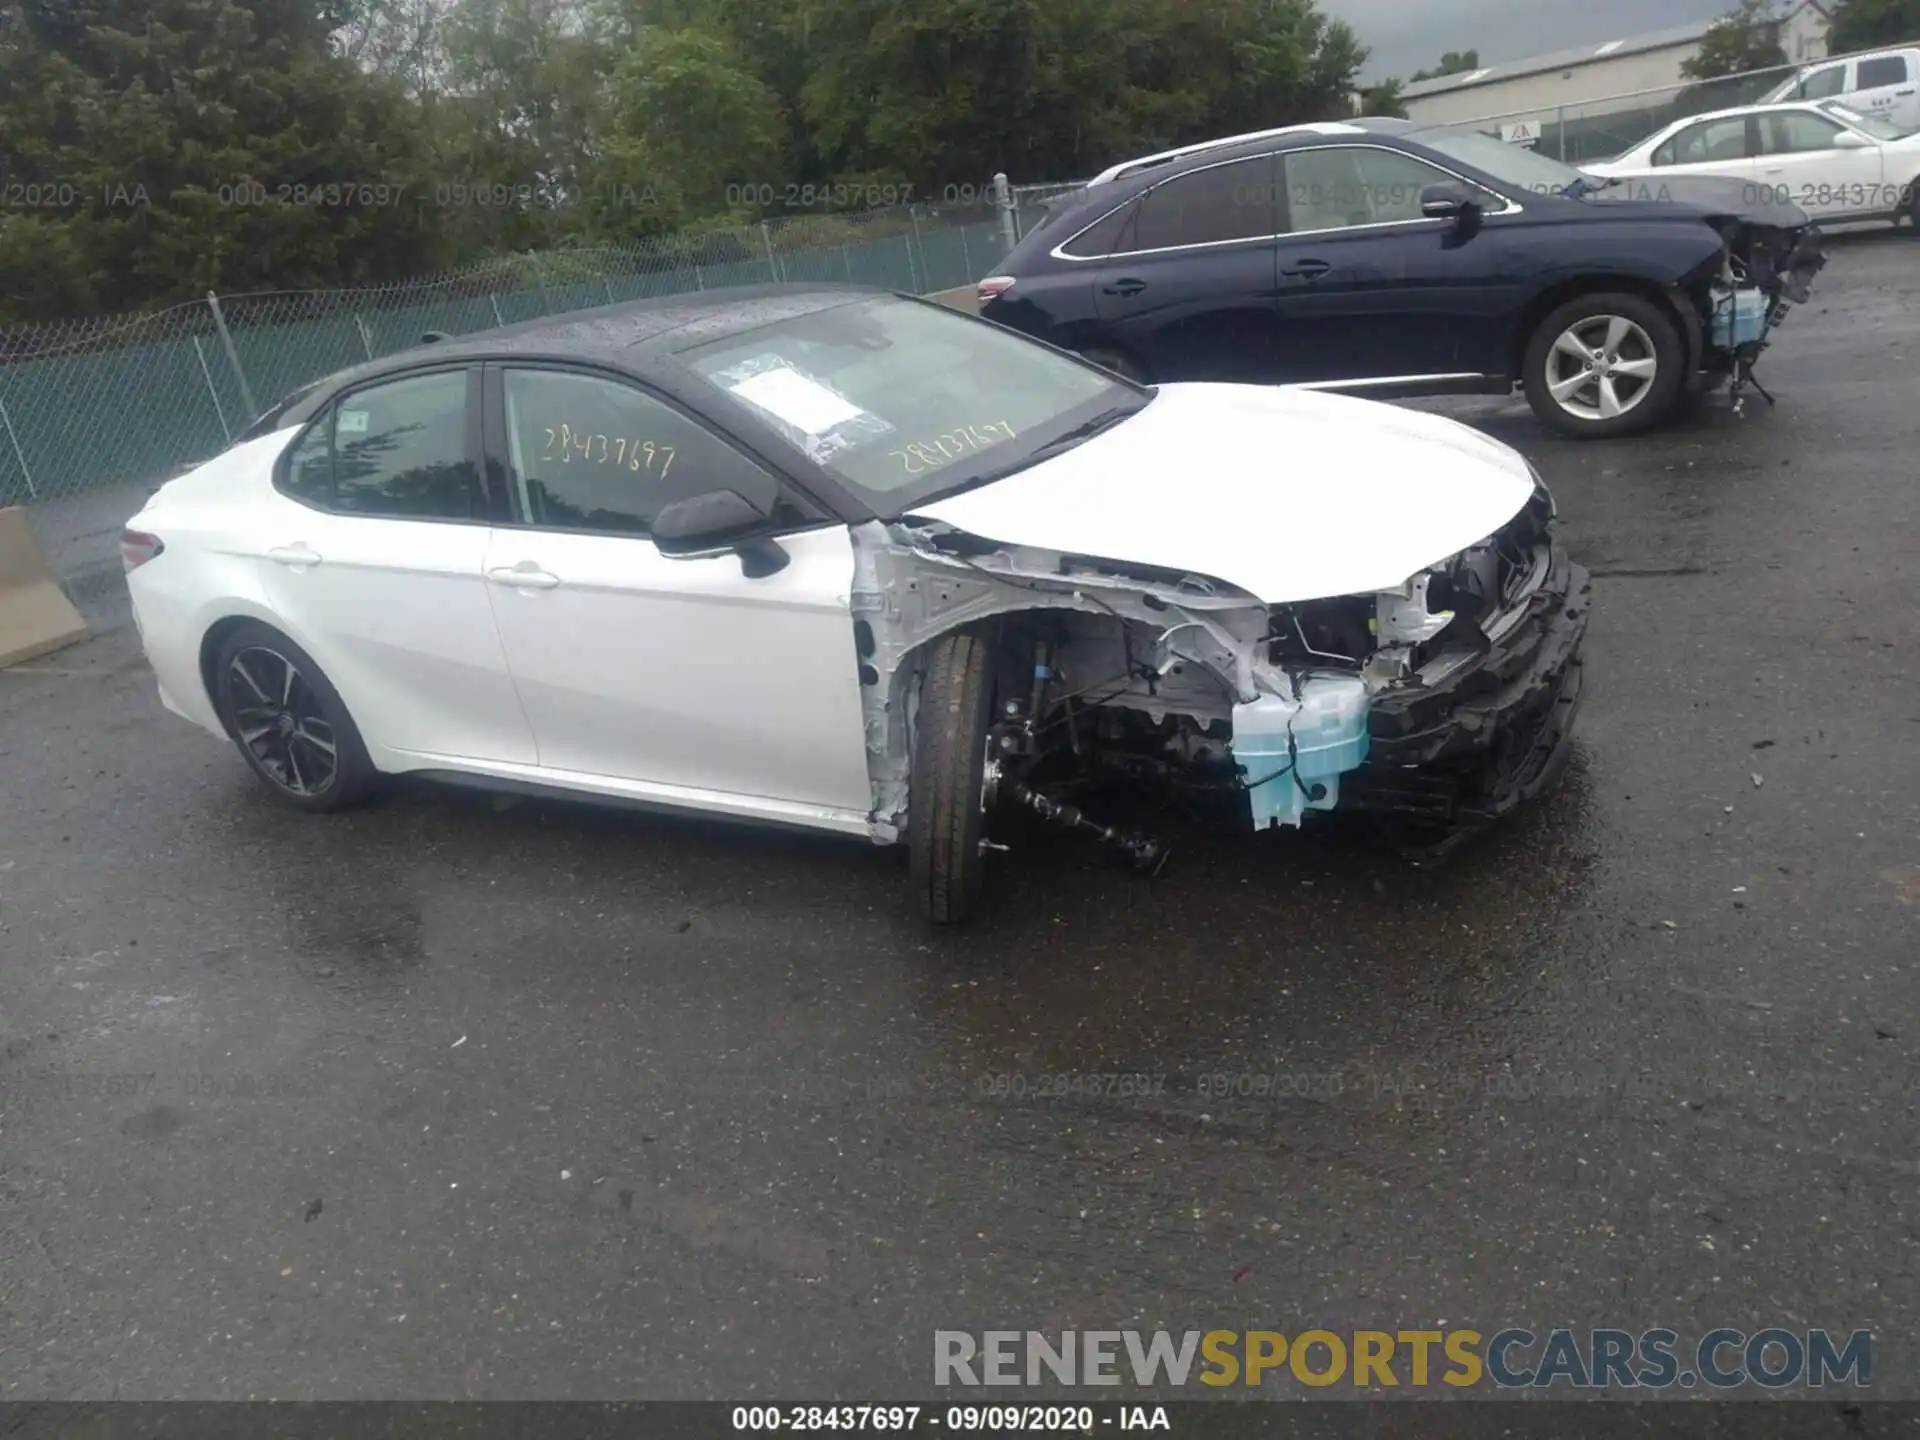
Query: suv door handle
[1125,287]
[297,556]
[524,576]
[1308,269]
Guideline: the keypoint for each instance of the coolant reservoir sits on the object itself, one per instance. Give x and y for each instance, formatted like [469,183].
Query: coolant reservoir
[1328,726]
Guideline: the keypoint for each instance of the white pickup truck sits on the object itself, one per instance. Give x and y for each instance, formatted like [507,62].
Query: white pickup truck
[1885,83]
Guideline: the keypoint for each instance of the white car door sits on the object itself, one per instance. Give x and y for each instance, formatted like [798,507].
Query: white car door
[691,679]
[373,553]
[1801,162]
[1884,85]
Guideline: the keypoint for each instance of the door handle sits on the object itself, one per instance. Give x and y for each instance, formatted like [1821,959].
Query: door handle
[295,556]
[1125,287]
[1308,269]
[524,576]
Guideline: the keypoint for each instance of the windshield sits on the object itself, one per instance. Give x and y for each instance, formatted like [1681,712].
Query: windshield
[1876,126]
[903,400]
[1514,165]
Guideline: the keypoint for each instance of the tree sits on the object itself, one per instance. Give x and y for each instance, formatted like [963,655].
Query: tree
[1870,24]
[198,143]
[1745,38]
[1383,99]
[693,137]
[400,38]
[1454,62]
[943,93]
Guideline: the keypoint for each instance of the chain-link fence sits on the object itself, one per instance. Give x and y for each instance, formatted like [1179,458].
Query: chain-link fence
[92,408]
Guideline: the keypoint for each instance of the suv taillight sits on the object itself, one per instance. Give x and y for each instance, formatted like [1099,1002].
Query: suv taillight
[137,547]
[994,286]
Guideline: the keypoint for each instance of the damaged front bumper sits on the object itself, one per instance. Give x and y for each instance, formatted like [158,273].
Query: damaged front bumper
[1446,760]
[1464,711]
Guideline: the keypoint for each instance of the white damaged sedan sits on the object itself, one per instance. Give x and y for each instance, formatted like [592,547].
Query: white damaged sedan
[848,560]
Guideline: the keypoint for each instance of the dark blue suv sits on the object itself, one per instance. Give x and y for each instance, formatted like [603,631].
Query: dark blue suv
[1385,258]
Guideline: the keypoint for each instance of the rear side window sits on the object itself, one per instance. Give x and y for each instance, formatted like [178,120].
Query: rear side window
[399,450]
[1103,236]
[1234,201]
[1882,70]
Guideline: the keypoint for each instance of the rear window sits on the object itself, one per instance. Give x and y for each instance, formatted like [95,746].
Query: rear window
[1882,70]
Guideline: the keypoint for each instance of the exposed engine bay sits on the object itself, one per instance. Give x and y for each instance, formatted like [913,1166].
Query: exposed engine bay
[1763,271]
[1434,706]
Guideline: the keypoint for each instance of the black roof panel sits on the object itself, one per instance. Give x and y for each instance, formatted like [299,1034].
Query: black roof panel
[625,334]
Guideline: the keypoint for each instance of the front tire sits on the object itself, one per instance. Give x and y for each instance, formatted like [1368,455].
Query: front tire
[1604,364]
[289,723]
[947,802]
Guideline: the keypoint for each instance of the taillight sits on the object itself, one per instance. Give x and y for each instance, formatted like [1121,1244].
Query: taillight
[137,547]
[994,286]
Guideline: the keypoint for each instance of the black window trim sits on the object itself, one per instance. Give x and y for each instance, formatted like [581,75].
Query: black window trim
[496,469]
[332,401]
[1510,206]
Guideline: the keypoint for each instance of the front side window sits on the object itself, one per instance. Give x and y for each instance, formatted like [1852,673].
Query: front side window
[903,400]
[1205,207]
[1822,83]
[1336,186]
[588,453]
[1514,166]
[1706,143]
[398,450]
[1882,70]
[1796,132]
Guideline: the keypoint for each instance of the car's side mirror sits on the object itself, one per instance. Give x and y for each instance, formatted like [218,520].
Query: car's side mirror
[1847,140]
[1447,200]
[714,523]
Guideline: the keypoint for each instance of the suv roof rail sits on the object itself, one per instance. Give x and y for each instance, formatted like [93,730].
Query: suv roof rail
[1164,157]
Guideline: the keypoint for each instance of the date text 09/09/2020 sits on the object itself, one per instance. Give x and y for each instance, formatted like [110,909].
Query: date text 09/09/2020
[991,1419]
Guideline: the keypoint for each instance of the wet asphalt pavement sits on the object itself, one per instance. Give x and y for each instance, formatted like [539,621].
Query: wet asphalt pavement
[447,1098]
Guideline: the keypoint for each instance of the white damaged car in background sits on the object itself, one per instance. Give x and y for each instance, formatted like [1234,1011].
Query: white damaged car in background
[851,561]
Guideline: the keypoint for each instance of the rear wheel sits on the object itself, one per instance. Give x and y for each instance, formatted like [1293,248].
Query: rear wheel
[1603,365]
[951,782]
[288,721]
[1119,363]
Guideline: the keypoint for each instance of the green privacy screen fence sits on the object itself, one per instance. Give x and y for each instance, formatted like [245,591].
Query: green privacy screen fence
[96,403]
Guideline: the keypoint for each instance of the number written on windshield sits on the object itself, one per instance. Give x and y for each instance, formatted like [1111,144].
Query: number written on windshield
[564,443]
[923,455]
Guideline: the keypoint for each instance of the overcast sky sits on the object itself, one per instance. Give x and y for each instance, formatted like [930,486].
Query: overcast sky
[1409,35]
